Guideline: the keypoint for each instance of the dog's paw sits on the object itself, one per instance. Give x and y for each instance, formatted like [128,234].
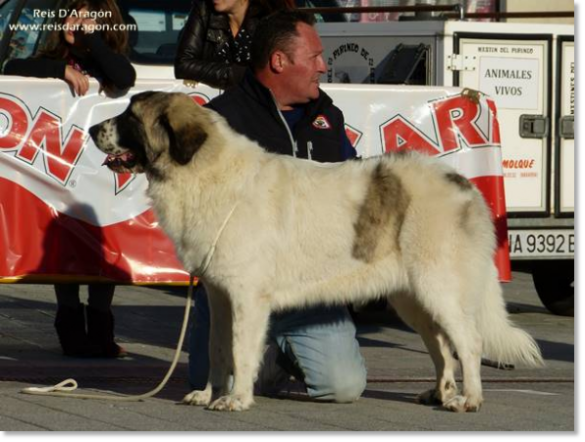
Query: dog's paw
[198,397]
[438,396]
[429,397]
[462,404]
[231,403]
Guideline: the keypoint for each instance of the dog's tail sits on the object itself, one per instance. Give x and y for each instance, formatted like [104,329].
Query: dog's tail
[502,340]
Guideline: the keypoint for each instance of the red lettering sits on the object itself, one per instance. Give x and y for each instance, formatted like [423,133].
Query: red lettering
[455,118]
[353,135]
[398,135]
[494,123]
[122,180]
[518,164]
[17,124]
[59,158]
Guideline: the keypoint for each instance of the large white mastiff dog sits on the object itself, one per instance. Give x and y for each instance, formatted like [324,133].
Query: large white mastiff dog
[266,232]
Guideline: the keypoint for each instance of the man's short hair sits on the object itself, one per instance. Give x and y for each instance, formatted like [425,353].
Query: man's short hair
[276,33]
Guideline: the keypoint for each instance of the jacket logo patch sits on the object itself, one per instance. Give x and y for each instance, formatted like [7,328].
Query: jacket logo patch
[321,122]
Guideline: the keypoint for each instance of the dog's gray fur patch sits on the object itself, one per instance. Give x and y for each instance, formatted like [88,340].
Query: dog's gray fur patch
[379,222]
[459,180]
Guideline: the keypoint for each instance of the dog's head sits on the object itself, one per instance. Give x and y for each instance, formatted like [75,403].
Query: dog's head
[156,129]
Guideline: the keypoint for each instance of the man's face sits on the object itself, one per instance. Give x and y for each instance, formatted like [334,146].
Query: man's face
[304,67]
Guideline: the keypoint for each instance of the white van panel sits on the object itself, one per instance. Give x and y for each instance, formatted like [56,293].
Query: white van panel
[567,145]
[515,74]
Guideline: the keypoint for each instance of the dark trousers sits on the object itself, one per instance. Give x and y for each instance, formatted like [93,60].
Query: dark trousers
[100,296]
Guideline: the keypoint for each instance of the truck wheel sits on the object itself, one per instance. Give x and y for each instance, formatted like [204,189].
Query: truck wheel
[554,283]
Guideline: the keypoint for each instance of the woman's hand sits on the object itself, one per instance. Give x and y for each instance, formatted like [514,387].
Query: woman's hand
[76,80]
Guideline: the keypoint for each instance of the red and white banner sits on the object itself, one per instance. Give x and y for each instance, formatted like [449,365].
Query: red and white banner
[63,217]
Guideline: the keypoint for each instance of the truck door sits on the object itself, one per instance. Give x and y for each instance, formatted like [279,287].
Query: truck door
[515,70]
[564,135]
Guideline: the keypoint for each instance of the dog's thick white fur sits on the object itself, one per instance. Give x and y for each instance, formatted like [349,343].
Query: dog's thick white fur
[280,232]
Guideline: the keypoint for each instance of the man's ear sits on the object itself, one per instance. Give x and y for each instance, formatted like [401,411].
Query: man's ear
[186,134]
[278,61]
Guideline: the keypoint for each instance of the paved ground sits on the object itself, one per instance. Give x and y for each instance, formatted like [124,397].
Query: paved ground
[148,326]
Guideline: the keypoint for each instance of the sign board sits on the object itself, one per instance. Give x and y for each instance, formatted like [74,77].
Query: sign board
[67,218]
[513,82]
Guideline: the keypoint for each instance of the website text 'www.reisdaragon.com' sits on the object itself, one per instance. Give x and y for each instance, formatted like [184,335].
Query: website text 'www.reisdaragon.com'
[42,27]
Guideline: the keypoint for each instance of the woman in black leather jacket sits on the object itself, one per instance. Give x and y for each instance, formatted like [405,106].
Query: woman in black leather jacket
[214,44]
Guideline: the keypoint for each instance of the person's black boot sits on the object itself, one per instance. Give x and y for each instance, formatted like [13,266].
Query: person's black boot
[70,327]
[100,331]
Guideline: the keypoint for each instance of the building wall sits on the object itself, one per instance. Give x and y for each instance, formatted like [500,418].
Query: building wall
[539,5]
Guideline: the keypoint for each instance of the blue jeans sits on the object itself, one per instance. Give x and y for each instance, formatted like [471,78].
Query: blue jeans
[318,344]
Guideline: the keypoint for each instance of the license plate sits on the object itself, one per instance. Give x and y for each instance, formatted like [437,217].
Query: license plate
[545,243]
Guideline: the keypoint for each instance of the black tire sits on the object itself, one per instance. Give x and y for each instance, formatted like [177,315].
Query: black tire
[554,283]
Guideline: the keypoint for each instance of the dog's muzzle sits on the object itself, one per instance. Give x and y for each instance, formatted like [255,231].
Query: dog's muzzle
[126,160]
[118,162]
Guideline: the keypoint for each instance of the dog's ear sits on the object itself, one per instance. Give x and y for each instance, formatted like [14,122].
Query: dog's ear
[186,136]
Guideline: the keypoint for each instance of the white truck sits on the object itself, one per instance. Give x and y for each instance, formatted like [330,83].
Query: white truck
[529,70]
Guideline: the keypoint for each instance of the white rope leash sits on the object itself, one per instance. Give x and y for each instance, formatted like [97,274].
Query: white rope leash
[66,385]
[64,389]
[201,271]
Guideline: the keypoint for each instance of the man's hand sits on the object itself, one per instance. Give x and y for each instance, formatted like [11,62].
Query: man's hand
[76,80]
